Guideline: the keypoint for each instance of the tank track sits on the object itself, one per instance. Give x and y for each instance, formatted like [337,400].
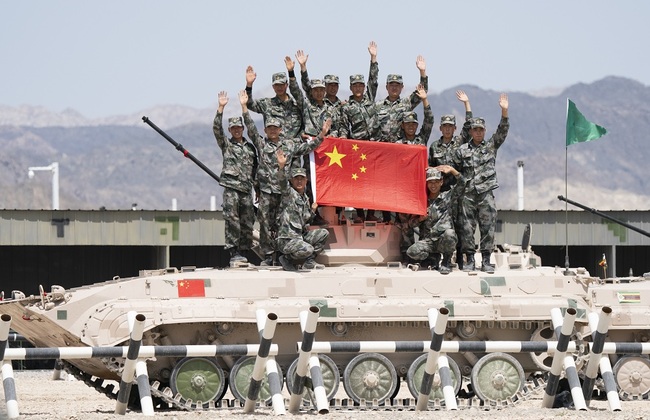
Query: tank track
[166,399]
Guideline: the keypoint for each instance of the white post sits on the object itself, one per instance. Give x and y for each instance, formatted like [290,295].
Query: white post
[174,204]
[213,203]
[54,168]
[520,185]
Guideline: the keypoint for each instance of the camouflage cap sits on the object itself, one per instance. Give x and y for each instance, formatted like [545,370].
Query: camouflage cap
[477,123]
[410,116]
[433,174]
[394,78]
[357,78]
[235,122]
[279,79]
[272,121]
[330,78]
[317,83]
[298,172]
[448,119]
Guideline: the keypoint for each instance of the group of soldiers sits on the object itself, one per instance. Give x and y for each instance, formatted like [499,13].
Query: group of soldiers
[460,179]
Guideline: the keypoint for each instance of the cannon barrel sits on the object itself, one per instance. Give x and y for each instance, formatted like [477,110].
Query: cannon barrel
[596,212]
[180,148]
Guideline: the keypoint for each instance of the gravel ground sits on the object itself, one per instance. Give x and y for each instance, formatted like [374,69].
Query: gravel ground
[40,397]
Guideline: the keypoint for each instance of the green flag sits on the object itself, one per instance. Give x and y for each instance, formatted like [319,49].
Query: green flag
[578,128]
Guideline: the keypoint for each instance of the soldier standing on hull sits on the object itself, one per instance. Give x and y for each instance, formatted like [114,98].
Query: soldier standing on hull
[359,115]
[267,173]
[442,151]
[476,160]
[409,136]
[437,234]
[237,177]
[295,241]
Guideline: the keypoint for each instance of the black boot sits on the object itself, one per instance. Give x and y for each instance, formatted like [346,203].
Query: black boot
[445,265]
[485,264]
[287,264]
[236,257]
[459,257]
[432,262]
[469,264]
[267,261]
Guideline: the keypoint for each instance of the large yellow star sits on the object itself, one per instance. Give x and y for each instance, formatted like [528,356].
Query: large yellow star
[363,156]
[335,157]
[363,169]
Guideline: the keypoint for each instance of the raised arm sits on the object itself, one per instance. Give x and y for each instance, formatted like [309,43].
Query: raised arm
[217,125]
[257,140]
[504,125]
[427,123]
[464,132]
[301,58]
[373,75]
[421,64]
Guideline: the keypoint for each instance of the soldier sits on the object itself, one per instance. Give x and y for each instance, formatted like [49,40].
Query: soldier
[436,227]
[476,161]
[237,177]
[295,241]
[410,122]
[359,114]
[391,109]
[442,151]
[409,136]
[281,106]
[270,194]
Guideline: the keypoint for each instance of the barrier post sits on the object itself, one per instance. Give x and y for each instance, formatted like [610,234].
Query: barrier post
[136,325]
[308,322]
[8,382]
[438,324]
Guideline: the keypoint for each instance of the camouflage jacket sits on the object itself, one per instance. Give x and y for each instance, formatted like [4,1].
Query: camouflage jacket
[287,112]
[295,210]
[422,137]
[439,211]
[441,153]
[267,172]
[313,114]
[239,159]
[390,113]
[477,163]
[359,118]
[306,86]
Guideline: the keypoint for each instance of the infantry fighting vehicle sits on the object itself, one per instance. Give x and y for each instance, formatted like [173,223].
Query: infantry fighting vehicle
[362,296]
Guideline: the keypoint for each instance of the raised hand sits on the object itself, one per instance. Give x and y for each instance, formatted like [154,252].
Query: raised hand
[420,63]
[250,76]
[503,101]
[223,98]
[301,58]
[243,98]
[289,63]
[462,96]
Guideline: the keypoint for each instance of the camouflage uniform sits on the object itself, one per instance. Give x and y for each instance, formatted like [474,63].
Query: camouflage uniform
[334,106]
[359,119]
[421,138]
[295,240]
[237,177]
[436,231]
[287,112]
[477,164]
[267,175]
[441,153]
[390,113]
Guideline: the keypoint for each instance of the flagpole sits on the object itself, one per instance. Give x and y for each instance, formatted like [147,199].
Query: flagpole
[566,205]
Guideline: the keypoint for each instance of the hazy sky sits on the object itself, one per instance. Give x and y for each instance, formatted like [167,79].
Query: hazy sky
[113,57]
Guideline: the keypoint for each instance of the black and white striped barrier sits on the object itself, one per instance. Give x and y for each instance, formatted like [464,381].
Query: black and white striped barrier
[266,326]
[561,359]
[320,394]
[136,326]
[58,368]
[308,322]
[438,323]
[145,351]
[446,347]
[8,383]
[599,325]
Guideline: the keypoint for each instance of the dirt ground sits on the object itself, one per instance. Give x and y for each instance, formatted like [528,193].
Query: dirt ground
[40,397]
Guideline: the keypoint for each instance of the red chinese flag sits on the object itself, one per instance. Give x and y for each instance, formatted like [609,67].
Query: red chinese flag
[191,288]
[371,175]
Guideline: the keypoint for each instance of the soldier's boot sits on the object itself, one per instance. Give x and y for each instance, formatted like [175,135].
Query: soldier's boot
[319,221]
[469,264]
[267,261]
[445,265]
[287,265]
[432,262]
[311,264]
[485,264]
[459,257]
[236,258]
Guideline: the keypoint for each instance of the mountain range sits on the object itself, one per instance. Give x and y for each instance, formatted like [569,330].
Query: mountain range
[118,161]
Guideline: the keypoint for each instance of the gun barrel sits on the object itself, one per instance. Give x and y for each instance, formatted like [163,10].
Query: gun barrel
[596,212]
[180,148]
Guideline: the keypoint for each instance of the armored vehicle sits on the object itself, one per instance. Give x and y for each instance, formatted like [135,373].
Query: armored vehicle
[362,296]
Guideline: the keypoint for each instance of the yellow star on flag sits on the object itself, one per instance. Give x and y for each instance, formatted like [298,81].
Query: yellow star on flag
[335,157]
[355,176]
[363,156]
[355,147]
[363,169]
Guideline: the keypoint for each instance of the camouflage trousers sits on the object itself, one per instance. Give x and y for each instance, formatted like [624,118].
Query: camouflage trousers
[268,214]
[481,209]
[408,233]
[311,244]
[444,243]
[239,215]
